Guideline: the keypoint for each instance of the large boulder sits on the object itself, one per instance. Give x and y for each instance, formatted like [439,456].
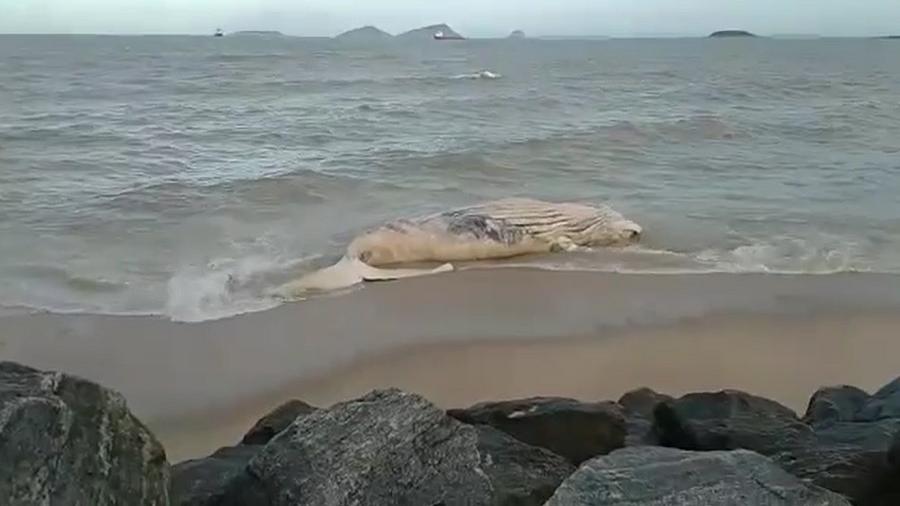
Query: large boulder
[639,406]
[654,476]
[844,450]
[730,420]
[65,440]
[835,404]
[392,447]
[221,479]
[861,475]
[276,421]
[521,474]
[885,403]
[855,435]
[576,430]
[218,480]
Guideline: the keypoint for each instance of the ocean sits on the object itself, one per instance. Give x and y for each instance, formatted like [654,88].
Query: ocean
[187,176]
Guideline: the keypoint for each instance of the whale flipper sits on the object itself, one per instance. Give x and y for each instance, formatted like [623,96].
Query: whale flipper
[346,273]
[370,273]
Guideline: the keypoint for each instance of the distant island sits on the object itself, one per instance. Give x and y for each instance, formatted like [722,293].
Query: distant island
[890,37]
[365,34]
[517,34]
[260,33]
[431,32]
[731,33]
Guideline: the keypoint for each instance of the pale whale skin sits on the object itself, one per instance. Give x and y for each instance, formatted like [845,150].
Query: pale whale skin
[497,229]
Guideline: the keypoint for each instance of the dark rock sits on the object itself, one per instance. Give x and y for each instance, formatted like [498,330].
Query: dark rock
[863,476]
[276,421]
[893,455]
[643,401]
[729,420]
[855,435]
[664,476]
[521,474]
[517,34]
[848,457]
[862,435]
[218,480]
[731,33]
[639,405]
[885,403]
[835,404]
[576,430]
[392,447]
[65,440]
[888,489]
[222,478]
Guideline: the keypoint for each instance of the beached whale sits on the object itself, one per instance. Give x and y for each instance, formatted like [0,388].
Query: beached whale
[497,229]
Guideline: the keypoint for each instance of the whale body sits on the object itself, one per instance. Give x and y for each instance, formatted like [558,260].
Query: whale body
[492,230]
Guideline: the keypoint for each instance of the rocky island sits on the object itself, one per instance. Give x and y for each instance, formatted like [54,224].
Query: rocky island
[70,441]
[430,33]
[517,34]
[365,35]
[731,33]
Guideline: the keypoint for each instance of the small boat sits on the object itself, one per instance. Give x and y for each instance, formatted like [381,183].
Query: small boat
[219,33]
[442,36]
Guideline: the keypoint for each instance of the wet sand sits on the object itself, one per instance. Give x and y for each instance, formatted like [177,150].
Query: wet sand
[478,335]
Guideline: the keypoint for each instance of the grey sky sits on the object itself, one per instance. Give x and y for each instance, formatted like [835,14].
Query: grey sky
[471,17]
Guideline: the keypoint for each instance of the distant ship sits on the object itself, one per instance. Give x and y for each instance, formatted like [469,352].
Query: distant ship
[219,33]
[442,36]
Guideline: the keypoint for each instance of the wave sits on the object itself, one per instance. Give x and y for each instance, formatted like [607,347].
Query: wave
[334,84]
[230,286]
[297,186]
[782,256]
[484,74]
[70,280]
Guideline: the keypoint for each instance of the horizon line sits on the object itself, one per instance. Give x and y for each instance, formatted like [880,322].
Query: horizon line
[495,37]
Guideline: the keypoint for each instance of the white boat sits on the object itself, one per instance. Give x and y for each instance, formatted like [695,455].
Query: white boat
[442,36]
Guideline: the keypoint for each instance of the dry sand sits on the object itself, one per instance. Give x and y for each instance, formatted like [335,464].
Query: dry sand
[479,335]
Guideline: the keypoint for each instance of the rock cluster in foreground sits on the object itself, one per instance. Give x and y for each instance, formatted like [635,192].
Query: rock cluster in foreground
[65,441]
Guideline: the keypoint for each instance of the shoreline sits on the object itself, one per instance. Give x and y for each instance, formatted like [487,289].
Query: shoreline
[477,335]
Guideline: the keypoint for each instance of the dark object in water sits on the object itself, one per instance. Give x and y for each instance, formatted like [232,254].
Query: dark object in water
[219,33]
[731,33]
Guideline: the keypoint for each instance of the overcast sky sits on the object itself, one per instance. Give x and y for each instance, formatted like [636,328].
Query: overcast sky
[473,18]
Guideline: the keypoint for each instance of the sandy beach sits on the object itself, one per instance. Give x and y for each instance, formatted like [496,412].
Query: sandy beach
[477,335]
